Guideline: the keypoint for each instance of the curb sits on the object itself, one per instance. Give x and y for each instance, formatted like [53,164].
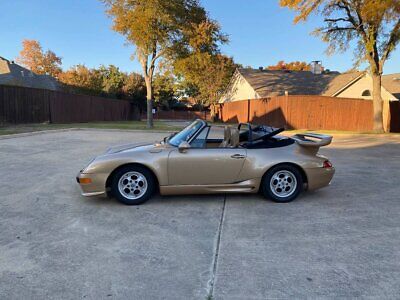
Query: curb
[26,134]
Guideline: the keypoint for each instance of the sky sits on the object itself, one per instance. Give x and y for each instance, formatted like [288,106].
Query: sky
[261,33]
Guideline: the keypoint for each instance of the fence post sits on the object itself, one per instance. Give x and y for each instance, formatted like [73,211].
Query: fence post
[49,96]
[248,111]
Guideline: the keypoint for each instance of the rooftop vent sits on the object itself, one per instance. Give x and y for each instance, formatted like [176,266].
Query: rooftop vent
[316,67]
[22,74]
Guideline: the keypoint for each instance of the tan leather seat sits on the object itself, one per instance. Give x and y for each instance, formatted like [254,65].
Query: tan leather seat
[234,141]
[227,137]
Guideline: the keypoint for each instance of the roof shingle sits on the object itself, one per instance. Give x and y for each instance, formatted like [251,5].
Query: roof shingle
[268,83]
[14,74]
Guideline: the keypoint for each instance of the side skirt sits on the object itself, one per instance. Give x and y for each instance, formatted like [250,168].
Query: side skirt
[248,186]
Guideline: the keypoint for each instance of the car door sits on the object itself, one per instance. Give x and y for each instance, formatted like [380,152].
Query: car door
[205,166]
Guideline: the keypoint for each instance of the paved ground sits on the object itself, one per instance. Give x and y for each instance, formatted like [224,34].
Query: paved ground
[342,241]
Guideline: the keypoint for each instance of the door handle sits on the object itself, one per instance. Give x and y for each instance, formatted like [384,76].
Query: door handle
[237,156]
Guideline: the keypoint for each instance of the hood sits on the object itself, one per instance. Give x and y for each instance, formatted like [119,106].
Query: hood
[120,148]
[151,147]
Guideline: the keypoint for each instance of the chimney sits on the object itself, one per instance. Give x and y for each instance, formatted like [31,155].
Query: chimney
[316,67]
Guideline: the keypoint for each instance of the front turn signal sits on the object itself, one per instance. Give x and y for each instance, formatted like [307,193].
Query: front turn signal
[85,180]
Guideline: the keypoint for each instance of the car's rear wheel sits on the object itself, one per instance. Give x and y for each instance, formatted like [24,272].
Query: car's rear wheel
[133,185]
[282,183]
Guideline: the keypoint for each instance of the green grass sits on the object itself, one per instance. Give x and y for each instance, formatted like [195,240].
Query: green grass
[126,125]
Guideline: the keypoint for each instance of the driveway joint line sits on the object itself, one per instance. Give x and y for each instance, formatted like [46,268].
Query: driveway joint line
[216,253]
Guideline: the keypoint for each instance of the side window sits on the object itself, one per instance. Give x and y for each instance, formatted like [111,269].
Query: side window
[200,140]
[216,133]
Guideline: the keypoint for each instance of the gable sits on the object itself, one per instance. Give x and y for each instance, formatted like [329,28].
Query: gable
[238,89]
[362,89]
[391,82]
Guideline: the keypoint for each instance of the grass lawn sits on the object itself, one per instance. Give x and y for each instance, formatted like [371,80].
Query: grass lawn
[128,125]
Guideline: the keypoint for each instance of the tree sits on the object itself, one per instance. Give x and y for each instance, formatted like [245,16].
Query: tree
[292,66]
[39,62]
[82,80]
[112,79]
[134,87]
[374,24]
[165,89]
[204,70]
[156,28]
[208,73]
[104,81]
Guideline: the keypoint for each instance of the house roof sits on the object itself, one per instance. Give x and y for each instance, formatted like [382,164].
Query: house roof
[340,82]
[391,82]
[13,74]
[268,83]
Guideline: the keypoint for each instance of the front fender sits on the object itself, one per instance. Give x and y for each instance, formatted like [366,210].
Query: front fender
[155,161]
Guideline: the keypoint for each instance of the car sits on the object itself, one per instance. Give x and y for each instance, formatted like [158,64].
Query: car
[205,159]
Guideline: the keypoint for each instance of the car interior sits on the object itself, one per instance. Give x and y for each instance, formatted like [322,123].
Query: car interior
[244,136]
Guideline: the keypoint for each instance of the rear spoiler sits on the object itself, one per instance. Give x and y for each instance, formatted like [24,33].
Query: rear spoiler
[312,141]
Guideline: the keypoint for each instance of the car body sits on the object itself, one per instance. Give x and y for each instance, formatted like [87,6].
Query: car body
[192,162]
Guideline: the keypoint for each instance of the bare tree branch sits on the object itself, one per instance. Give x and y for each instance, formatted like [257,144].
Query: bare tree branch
[333,29]
[391,43]
[337,20]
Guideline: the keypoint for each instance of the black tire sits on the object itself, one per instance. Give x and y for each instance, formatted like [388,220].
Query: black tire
[143,198]
[270,194]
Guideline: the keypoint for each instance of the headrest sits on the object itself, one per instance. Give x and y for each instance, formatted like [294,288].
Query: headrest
[234,142]
[227,133]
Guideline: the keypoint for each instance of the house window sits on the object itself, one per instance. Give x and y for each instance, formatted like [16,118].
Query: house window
[366,93]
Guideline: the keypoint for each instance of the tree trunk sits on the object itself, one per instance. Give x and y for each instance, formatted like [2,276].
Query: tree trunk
[377,102]
[149,101]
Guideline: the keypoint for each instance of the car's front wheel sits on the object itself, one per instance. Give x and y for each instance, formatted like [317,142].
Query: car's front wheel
[133,185]
[282,183]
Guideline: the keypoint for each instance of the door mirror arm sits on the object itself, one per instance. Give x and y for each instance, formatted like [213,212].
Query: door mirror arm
[183,147]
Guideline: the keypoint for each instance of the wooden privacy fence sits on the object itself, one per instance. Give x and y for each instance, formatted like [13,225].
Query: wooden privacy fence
[180,115]
[310,112]
[26,105]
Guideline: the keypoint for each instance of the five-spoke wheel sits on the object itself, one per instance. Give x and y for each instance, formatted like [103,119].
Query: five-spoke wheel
[282,183]
[133,185]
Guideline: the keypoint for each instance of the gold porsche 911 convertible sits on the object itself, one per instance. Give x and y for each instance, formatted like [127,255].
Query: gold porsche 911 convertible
[204,159]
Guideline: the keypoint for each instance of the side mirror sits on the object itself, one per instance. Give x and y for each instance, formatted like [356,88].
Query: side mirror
[167,138]
[183,146]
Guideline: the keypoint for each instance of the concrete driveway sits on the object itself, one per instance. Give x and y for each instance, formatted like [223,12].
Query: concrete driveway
[342,241]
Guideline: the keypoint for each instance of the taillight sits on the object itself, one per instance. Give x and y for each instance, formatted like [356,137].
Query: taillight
[327,164]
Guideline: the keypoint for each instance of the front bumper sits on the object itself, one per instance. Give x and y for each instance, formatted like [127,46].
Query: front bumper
[92,184]
[319,177]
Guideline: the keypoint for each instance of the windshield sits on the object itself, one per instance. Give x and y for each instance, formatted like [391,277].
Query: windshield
[185,134]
